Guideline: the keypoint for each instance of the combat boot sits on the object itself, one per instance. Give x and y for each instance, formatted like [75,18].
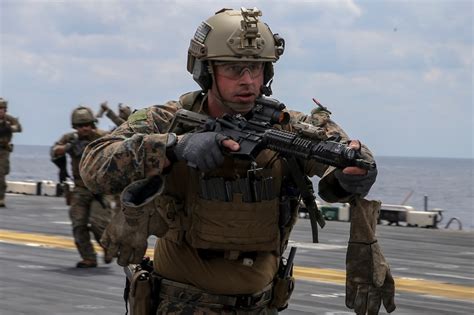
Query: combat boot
[87,263]
[2,203]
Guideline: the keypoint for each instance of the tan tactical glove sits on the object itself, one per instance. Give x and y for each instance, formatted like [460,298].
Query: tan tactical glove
[104,106]
[126,236]
[368,278]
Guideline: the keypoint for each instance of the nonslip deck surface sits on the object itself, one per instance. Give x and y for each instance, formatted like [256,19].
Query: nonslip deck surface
[433,269]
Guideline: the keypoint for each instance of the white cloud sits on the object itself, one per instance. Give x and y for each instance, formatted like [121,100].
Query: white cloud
[433,75]
[385,62]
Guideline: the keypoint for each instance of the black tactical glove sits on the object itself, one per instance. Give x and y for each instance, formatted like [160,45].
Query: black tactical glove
[368,278]
[201,150]
[356,184]
[76,147]
[5,129]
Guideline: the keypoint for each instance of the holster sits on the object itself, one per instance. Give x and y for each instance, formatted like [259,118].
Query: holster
[283,287]
[282,290]
[138,289]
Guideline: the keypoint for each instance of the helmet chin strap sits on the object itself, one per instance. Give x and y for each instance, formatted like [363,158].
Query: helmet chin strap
[232,106]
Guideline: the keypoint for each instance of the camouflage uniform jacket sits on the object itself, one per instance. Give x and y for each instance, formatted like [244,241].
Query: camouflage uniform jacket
[77,146]
[8,125]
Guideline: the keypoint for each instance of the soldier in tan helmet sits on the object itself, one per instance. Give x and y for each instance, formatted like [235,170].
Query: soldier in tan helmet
[8,125]
[219,248]
[89,212]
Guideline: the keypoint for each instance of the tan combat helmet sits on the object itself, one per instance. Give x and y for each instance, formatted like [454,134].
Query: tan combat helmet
[3,103]
[82,115]
[232,35]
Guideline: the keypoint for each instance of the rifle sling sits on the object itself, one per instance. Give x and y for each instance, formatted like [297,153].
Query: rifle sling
[307,194]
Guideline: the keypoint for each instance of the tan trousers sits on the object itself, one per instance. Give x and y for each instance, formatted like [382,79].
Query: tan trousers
[88,215]
[4,171]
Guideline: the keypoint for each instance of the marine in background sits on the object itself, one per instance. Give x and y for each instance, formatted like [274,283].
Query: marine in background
[124,112]
[8,126]
[89,212]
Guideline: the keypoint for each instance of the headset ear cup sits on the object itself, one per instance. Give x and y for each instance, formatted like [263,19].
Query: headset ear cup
[201,74]
[268,72]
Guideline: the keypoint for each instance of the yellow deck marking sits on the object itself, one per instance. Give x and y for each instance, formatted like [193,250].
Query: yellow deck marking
[421,286]
[333,276]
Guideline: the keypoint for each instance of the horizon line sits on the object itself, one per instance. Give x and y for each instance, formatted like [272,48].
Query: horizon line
[381,155]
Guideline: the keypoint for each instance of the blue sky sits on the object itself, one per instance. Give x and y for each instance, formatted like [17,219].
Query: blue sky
[396,74]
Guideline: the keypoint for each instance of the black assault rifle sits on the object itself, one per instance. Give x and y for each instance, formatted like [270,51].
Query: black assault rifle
[255,132]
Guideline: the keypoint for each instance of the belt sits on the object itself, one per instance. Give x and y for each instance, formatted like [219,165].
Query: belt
[186,292]
[207,254]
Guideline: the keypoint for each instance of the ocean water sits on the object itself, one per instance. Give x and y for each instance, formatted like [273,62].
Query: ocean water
[447,183]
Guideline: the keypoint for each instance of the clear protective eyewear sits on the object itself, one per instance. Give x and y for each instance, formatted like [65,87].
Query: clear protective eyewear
[83,125]
[235,70]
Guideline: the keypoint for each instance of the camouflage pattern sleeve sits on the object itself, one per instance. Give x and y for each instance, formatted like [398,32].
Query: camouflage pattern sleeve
[14,123]
[135,150]
[65,138]
[329,188]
